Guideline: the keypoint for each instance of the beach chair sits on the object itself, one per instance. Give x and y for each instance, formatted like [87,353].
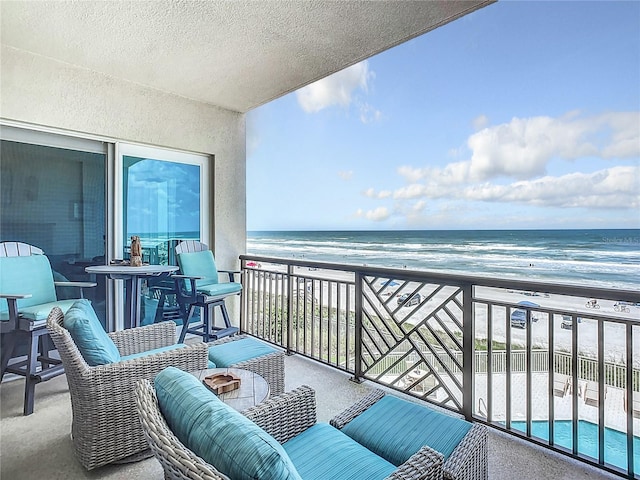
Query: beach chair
[561,384]
[636,404]
[591,394]
[198,286]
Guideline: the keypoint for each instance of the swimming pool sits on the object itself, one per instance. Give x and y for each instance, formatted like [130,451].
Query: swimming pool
[615,451]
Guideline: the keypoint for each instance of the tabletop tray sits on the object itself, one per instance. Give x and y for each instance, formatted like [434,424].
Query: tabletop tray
[222,382]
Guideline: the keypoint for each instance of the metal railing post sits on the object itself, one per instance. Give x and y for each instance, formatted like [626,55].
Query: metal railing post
[289,339]
[358,333]
[468,345]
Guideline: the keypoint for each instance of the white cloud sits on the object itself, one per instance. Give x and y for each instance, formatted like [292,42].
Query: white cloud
[336,89]
[369,114]
[616,187]
[341,89]
[377,215]
[522,148]
[345,175]
[508,165]
[480,122]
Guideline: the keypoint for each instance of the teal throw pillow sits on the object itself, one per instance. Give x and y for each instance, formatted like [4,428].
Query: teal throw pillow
[94,344]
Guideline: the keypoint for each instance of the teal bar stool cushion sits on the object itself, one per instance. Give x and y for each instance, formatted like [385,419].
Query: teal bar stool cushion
[94,344]
[224,288]
[39,313]
[323,452]
[395,429]
[217,433]
[230,353]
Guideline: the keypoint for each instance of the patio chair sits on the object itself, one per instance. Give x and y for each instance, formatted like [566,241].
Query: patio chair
[27,284]
[102,370]
[198,286]
[278,439]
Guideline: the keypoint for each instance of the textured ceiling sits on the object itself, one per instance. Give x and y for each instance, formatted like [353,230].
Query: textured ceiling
[236,54]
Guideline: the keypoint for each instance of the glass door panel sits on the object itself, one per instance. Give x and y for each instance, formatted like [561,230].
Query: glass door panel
[164,201]
[54,198]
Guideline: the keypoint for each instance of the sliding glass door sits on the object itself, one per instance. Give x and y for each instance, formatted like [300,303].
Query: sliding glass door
[163,201]
[53,197]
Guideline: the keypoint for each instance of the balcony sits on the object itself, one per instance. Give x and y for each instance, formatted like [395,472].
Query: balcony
[446,340]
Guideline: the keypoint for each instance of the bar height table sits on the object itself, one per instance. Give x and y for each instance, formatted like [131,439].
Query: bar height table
[133,276]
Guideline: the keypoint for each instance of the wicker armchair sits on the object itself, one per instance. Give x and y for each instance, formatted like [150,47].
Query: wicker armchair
[468,461]
[105,427]
[283,417]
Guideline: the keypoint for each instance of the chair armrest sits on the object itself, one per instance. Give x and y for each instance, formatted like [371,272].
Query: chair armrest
[75,284]
[286,415]
[340,420]
[231,274]
[425,464]
[190,358]
[15,296]
[469,459]
[186,277]
[142,339]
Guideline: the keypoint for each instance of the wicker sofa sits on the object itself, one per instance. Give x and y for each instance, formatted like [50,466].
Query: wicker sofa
[105,427]
[286,422]
[396,428]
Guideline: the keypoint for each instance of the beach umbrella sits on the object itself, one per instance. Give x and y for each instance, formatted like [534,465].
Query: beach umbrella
[253,264]
[526,303]
[389,283]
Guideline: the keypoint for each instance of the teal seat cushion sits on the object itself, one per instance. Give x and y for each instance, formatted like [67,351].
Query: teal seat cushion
[220,289]
[41,312]
[223,437]
[322,452]
[231,353]
[94,344]
[395,429]
[153,352]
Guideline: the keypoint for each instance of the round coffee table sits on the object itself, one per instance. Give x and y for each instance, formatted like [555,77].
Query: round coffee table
[253,388]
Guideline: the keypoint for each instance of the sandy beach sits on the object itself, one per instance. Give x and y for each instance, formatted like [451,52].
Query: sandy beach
[330,284]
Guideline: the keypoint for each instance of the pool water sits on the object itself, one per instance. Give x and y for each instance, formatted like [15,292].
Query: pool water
[615,450]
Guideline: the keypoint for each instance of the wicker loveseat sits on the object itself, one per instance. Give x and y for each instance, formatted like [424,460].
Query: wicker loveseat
[276,439]
[396,428]
[105,427]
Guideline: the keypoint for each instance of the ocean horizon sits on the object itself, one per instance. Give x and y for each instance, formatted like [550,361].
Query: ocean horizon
[606,258]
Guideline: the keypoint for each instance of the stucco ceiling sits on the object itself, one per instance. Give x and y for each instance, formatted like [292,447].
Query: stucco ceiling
[235,54]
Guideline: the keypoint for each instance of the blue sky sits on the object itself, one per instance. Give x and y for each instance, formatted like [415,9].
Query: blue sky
[520,115]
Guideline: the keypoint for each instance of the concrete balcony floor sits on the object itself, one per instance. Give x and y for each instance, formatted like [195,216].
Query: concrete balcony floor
[39,446]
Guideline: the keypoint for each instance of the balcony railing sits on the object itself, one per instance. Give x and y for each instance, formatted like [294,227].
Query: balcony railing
[545,362]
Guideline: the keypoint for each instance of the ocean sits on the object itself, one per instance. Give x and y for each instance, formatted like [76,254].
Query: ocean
[599,258]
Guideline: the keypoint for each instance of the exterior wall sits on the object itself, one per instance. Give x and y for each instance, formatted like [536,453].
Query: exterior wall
[48,93]
[41,91]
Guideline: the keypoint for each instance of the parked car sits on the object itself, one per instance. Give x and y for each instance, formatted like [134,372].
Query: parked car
[405,301]
[519,318]
[567,322]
